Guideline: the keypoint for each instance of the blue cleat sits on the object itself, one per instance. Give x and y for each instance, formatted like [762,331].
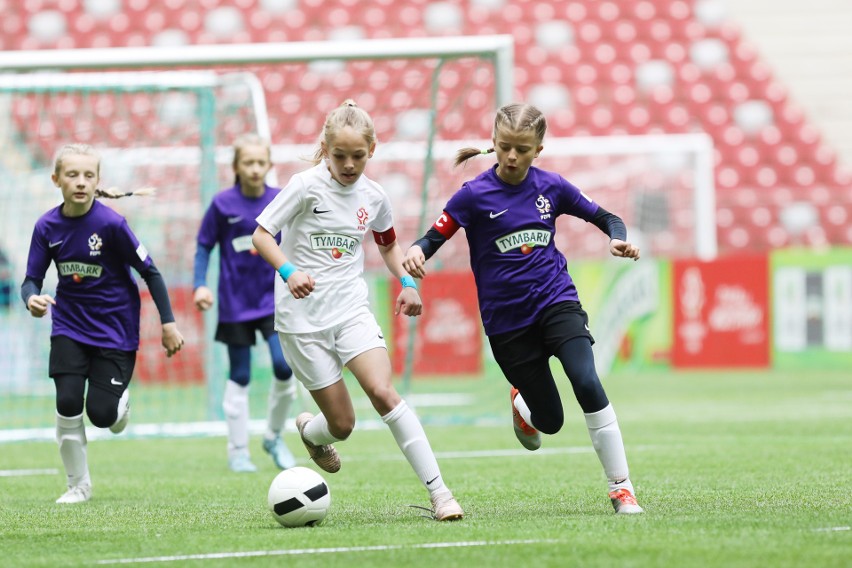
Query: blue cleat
[241,463]
[280,453]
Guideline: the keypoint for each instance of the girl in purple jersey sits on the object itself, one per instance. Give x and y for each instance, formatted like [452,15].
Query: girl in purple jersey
[245,310]
[95,327]
[529,304]
[323,315]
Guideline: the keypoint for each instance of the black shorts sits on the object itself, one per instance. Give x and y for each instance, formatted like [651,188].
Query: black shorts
[70,357]
[243,333]
[556,325]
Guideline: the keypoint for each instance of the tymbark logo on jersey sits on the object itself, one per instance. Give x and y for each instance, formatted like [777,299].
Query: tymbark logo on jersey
[79,270]
[524,240]
[336,243]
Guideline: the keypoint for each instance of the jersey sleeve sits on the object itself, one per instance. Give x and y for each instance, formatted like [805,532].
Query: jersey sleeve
[38,259]
[132,250]
[281,211]
[208,232]
[574,202]
[459,206]
[384,216]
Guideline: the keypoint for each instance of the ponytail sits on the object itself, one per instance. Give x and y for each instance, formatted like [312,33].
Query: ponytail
[115,193]
[465,154]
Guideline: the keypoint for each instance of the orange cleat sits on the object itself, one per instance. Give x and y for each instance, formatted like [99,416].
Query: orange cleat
[529,437]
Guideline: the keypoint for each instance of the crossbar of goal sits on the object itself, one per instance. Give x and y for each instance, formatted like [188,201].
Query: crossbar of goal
[498,47]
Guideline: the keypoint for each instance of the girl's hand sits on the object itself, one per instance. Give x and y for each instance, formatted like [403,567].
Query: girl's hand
[300,284]
[38,304]
[203,298]
[408,302]
[172,338]
[414,262]
[618,247]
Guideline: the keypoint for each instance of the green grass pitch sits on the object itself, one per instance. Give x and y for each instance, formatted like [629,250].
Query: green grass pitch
[734,469]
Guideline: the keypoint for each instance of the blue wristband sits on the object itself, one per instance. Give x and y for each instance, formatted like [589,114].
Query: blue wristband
[408,282]
[286,271]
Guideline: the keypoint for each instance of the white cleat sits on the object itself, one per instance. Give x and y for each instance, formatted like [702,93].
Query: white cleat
[123,413]
[624,502]
[76,494]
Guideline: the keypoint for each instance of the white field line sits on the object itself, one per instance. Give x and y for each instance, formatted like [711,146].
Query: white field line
[833,529]
[26,472]
[311,551]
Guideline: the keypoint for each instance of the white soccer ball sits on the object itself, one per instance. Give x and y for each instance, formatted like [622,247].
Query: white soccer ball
[299,497]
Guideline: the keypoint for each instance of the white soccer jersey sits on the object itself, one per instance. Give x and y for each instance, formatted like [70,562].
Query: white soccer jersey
[324,226]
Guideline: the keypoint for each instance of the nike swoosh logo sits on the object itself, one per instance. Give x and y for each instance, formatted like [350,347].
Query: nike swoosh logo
[381,336]
[432,480]
[495,215]
[116,383]
[56,244]
[320,211]
[232,220]
[586,326]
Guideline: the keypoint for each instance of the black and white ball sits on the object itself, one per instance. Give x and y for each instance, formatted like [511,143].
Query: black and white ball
[299,497]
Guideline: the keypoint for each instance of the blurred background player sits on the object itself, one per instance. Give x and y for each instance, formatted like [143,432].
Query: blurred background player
[246,302]
[322,308]
[528,302]
[95,315]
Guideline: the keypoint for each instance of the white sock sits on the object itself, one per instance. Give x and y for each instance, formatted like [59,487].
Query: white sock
[71,436]
[523,409]
[316,432]
[411,439]
[281,397]
[606,439]
[236,406]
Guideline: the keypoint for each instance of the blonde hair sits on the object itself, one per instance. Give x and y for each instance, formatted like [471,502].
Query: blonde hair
[347,114]
[517,117]
[248,139]
[86,150]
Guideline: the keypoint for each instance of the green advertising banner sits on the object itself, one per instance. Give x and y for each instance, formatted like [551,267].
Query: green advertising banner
[811,296]
[629,307]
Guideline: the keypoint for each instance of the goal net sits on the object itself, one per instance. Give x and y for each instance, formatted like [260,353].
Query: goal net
[173,130]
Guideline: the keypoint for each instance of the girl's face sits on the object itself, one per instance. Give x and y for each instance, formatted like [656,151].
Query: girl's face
[78,179]
[347,155]
[515,151]
[251,167]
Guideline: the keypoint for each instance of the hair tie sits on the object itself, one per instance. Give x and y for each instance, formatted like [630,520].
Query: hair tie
[485,151]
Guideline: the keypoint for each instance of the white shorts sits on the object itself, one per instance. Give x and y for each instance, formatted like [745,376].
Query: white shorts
[318,358]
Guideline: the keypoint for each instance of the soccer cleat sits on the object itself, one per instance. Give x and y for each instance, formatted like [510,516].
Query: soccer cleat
[445,507]
[324,456]
[281,454]
[241,463]
[528,436]
[624,502]
[123,413]
[76,494]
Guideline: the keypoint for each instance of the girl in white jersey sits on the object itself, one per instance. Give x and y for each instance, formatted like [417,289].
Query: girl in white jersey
[322,312]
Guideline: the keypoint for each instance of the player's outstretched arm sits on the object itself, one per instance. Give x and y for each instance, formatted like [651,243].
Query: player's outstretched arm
[408,302]
[172,338]
[624,249]
[203,298]
[299,283]
[414,261]
[38,304]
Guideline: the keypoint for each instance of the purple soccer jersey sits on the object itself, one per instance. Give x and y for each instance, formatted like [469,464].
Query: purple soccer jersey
[246,281]
[97,298]
[510,228]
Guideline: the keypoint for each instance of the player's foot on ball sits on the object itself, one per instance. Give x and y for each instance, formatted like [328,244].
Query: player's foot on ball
[76,494]
[624,502]
[529,437]
[281,454]
[325,456]
[241,463]
[445,507]
[123,413]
